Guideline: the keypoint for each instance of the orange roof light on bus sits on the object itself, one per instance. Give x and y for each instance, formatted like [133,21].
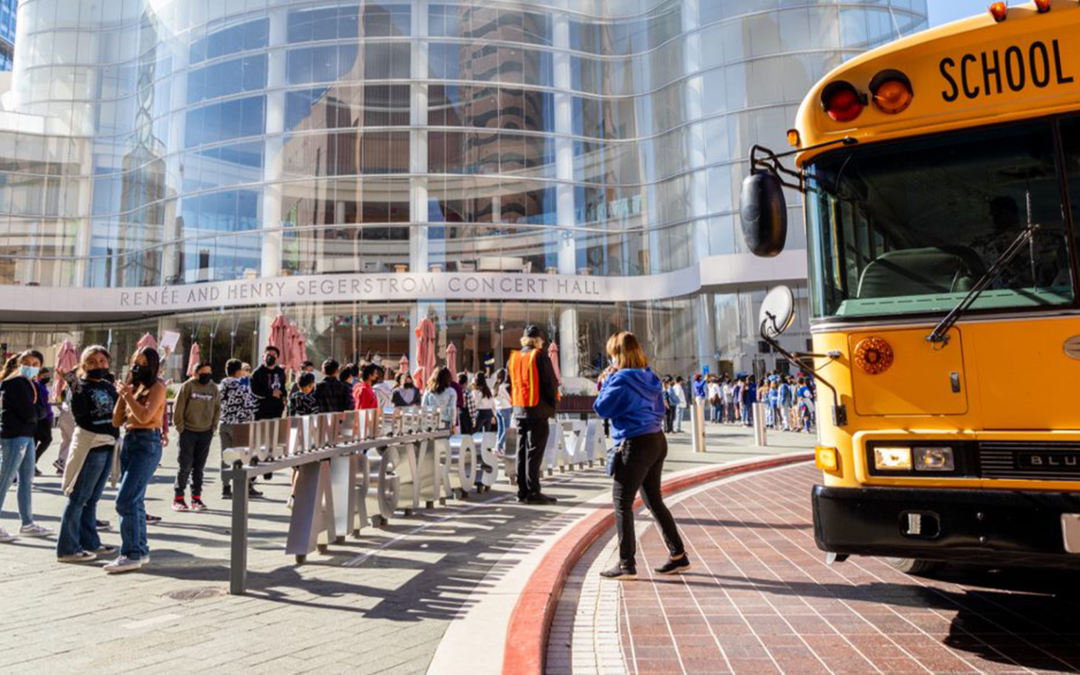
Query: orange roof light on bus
[842,102]
[999,10]
[892,92]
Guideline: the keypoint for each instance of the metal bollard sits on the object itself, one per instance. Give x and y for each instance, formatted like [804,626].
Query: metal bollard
[697,425]
[760,439]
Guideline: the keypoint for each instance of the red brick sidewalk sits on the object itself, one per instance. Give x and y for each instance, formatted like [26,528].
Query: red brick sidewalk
[760,599]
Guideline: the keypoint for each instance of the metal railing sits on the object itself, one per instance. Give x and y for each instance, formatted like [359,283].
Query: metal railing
[407,456]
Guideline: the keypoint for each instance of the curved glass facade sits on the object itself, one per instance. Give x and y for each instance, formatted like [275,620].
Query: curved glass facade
[169,143]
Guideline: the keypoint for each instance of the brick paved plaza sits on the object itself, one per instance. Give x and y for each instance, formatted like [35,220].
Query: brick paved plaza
[434,591]
[760,599]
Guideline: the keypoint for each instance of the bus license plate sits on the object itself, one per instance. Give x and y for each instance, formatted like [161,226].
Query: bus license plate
[1070,531]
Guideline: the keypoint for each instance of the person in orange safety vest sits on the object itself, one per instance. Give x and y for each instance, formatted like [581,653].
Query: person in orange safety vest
[534,392]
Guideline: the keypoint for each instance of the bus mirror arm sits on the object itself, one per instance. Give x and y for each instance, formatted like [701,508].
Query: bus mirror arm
[839,410]
[763,159]
[940,334]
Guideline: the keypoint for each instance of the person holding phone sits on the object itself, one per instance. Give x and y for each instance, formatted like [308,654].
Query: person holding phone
[140,411]
[632,397]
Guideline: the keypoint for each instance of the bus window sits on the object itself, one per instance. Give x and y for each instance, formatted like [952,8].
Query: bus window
[1070,140]
[910,227]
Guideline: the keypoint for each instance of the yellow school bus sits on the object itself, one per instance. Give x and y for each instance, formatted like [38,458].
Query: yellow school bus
[941,176]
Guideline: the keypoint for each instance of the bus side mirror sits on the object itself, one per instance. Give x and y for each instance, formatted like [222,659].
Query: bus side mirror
[764,214]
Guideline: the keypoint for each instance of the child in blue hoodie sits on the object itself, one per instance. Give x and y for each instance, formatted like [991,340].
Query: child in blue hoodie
[632,398]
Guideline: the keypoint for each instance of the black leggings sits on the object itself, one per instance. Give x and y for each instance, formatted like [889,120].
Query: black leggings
[639,463]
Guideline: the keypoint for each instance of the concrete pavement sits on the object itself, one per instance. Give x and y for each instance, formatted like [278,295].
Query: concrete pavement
[397,600]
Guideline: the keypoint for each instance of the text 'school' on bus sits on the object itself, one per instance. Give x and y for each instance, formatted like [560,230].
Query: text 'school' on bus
[941,176]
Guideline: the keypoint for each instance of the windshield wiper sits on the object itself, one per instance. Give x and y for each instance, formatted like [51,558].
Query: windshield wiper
[940,332]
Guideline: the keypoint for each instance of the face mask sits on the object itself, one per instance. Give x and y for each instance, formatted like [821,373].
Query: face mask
[270,361]
[139,373]
[97,373]
[204,378]
[29,372]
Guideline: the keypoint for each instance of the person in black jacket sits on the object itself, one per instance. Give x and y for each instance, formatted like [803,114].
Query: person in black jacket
[268,385]
[92,458]
[332,394]
[18,424]
[532,415]
[348,376]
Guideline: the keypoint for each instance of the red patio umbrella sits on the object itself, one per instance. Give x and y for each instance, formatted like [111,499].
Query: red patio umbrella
[66,359]
[425,352]
[279,335]
[288,348]
[451,359]
[553,354]
[297,348]
[193,359]
[147,340]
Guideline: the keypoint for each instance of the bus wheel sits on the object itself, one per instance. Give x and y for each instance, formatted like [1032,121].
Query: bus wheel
[914,565]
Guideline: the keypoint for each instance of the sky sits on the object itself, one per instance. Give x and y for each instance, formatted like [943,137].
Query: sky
[944,11]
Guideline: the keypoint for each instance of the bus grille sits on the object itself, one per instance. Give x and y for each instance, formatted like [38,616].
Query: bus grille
[1029,461]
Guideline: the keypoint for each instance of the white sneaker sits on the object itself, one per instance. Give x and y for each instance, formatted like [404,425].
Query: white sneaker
[80,557]
[34,530]
[6,536]
[123,564]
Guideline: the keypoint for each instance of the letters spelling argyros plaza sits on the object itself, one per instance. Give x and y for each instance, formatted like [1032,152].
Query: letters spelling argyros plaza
[202,167]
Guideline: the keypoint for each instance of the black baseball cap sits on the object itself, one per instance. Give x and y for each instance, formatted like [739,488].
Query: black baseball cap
[533,332]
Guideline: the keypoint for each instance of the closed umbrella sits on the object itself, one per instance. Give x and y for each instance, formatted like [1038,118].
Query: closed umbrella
[279,334]
[451,359]
[289,349]
[553,354]
[147,340]
[297,349]
[425,352]
[66,360]
[193,359]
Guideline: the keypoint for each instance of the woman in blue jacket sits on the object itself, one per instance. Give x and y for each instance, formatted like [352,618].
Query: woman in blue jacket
[632,397]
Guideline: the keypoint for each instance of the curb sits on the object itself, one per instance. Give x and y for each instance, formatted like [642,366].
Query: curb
[530,623]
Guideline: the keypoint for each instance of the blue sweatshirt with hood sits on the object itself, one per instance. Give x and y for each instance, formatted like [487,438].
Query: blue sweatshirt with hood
[633,399]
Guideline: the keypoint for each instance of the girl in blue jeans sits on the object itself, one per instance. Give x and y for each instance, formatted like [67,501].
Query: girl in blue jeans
[18,424]
[91,458]
[139,410]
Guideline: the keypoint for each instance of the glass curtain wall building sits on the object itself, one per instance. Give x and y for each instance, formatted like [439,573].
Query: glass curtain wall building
[8,9]
[358,166]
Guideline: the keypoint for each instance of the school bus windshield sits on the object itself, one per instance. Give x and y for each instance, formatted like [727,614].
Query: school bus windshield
[909,227]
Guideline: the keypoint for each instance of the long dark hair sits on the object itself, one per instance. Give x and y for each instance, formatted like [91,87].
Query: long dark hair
[479,383]
[501,378]
[153,367]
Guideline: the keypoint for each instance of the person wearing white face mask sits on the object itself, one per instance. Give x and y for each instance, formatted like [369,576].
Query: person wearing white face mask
[18,423]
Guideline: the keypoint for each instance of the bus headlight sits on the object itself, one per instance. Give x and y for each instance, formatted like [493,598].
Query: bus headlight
[934,459]
[892,459]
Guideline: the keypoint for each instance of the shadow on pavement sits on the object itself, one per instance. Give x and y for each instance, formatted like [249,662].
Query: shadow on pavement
[1020,618]
[439,590]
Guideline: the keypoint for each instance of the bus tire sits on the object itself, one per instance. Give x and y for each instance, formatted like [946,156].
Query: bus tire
[914,566]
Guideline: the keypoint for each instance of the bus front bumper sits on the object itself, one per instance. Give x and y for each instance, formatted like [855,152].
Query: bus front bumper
[982,527]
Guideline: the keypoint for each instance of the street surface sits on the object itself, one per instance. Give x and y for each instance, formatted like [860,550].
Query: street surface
[760,599]
[380,604]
